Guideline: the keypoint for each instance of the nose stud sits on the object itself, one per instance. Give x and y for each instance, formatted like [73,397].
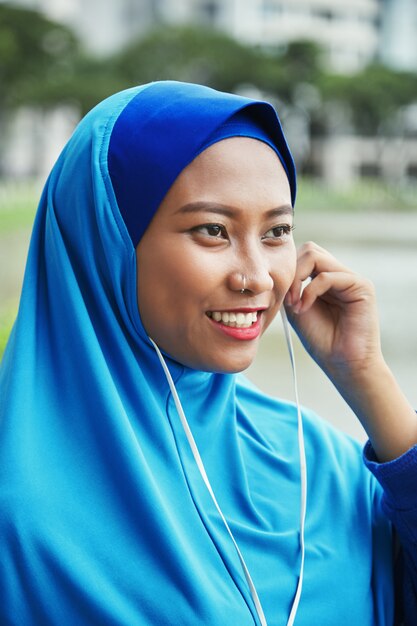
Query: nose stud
[244,284]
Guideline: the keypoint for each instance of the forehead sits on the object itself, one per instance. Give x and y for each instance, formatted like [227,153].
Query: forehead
[237,170]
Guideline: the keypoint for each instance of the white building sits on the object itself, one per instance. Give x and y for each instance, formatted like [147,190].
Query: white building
[103,25]
[398,44]
[353,34]
[348,31]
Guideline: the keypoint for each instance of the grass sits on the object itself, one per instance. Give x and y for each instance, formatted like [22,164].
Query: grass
[18,203]
[363,196]
[7,317]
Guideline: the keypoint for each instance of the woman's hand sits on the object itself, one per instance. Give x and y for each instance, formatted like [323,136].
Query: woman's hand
[335,316]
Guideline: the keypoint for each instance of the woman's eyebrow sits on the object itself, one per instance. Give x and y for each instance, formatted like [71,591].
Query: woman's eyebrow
[221,209]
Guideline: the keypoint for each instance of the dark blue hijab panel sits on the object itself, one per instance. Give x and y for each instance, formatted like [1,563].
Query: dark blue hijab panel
[165,127]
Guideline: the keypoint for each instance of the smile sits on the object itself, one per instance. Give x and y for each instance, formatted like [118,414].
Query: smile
[243,325]
[234,319]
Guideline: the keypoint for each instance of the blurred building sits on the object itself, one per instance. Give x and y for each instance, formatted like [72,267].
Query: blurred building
[343,159]
[348,31]
[103,25]
[352,34]
[398,41]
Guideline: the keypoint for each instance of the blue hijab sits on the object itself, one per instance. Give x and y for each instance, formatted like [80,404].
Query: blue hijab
[104,515]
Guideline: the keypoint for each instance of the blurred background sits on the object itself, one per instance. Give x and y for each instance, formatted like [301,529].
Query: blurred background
[343,77]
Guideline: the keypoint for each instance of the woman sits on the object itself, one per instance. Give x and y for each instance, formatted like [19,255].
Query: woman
[142,480]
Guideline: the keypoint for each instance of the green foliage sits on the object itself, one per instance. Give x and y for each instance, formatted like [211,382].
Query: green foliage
[35,53]
[281,71]
[207,56]
[373,96]
[188,54]
[41,63]
[89,81]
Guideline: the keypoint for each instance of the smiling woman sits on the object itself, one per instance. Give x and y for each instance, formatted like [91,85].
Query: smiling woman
[143,479]
[210,256]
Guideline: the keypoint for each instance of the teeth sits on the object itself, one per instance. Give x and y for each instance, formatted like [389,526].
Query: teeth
[235,320]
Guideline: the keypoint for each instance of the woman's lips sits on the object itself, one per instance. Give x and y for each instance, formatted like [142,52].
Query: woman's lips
[242,324]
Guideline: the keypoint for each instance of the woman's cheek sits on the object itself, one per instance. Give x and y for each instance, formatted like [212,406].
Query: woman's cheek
[285,269]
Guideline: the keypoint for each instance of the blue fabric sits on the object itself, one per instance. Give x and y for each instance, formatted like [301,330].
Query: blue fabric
[104,518]
[162,130]
[399,481]
[245,123]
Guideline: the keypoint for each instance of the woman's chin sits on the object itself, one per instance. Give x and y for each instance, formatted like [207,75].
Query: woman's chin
[210,356]
[227,363]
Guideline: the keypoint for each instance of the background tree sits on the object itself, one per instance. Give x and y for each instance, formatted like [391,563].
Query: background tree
[35,53]
[282,69]
[373,97]
[188,54]
[42,64]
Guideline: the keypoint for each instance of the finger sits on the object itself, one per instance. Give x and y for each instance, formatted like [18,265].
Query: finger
[312,259]
[343,287]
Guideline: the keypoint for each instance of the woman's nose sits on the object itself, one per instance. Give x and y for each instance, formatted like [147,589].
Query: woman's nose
[251,279]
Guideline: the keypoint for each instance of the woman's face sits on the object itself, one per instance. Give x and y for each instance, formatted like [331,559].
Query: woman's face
[227,216]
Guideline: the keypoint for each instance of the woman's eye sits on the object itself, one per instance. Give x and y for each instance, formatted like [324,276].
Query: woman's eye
[212,230]
[278,232]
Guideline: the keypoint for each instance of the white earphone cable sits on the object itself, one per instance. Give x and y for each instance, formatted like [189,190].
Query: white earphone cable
[203,473]
[303,471]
